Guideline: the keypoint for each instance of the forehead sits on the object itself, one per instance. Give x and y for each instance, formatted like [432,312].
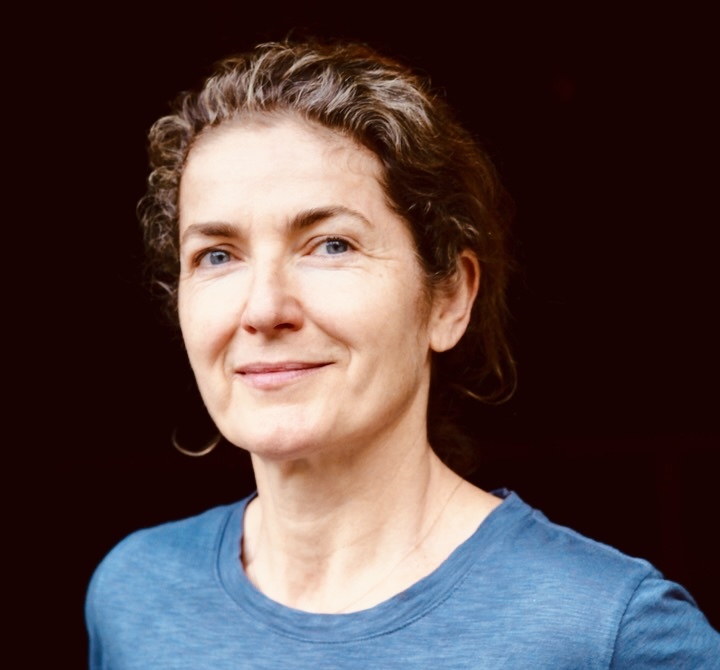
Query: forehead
[271,168]
[280,141]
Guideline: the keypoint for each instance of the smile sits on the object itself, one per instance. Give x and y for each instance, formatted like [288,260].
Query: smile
[275,375]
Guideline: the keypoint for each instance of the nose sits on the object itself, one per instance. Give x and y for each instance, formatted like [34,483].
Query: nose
[271,305]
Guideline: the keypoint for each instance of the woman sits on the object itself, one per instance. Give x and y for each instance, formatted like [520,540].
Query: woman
[335,245]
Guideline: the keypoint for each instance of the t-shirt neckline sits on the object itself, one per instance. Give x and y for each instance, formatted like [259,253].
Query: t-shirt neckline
[390,615]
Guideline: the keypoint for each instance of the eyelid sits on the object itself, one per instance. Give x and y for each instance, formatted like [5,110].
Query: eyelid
[324,239]
[203,254]
[199,258]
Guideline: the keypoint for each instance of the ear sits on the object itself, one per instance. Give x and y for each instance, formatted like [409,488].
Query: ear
[452,303]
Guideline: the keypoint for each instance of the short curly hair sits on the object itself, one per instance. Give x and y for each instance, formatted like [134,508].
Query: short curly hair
[434,174]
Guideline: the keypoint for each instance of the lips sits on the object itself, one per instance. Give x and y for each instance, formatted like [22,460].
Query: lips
[266,375]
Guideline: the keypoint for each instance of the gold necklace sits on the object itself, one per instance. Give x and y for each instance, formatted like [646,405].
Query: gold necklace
[409,553]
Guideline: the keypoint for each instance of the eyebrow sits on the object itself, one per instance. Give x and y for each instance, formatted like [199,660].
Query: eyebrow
[300,221]
[310,217]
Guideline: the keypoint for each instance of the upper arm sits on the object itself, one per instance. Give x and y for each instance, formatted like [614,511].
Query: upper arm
[663,628]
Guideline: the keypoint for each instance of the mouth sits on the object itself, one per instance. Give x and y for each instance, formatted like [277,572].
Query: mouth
[275,375]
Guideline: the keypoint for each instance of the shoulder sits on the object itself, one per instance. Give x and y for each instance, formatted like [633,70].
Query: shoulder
[541,551]
[592,600]
[152,584]
[171,543]
[179,551]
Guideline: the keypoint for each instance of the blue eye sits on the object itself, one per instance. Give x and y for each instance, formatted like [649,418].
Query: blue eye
[216,257]
[334,245]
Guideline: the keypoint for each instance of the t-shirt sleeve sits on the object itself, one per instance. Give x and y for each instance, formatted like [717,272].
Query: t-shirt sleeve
[663,628]
[94,647]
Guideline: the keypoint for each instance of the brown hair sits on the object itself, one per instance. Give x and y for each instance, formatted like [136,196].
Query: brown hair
[435,176]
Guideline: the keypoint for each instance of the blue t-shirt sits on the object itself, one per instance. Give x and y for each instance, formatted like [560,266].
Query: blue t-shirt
[521,593]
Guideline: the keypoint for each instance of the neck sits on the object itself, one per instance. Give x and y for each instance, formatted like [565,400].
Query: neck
[348,533]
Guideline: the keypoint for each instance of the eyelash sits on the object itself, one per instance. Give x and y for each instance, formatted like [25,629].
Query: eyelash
[205,255]
[330,239]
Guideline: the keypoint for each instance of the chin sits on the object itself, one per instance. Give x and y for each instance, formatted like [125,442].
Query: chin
[276,445]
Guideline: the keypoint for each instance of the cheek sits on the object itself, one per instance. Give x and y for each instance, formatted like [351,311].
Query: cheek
[205,327]
[387,320]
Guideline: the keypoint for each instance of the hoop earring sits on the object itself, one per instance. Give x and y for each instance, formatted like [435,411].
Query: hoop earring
[204,451]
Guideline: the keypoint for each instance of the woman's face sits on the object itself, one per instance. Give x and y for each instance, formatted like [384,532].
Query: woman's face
[302,303]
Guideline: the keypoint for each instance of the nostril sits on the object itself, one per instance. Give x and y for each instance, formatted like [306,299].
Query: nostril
[271,305]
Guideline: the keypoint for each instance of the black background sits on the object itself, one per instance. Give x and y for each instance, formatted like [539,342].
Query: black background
[600,122]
